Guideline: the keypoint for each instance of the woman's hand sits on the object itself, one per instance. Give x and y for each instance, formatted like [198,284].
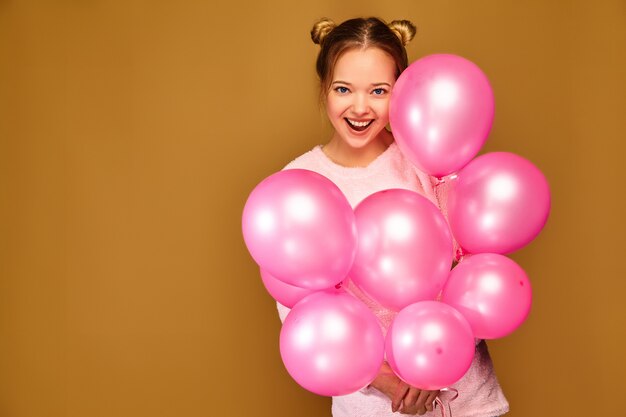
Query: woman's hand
[389,384]
[418,401]
[404,398]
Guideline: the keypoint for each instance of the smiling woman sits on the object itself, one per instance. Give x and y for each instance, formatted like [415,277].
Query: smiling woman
[357,105]
[358,65]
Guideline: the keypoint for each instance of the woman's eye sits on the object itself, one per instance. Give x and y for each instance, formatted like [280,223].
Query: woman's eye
[341,90]
[379,91]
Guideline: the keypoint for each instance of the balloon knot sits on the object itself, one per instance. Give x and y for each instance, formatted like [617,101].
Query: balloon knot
[445,404]
[446,178]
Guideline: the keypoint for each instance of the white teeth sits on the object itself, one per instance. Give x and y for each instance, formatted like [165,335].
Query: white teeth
[358,124]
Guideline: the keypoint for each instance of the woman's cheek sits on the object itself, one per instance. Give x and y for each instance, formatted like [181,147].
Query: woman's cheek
[383,112]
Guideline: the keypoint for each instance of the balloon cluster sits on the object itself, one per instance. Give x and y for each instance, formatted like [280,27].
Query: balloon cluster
[397,247]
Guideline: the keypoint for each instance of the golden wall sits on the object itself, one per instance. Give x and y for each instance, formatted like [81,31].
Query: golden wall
[132,132]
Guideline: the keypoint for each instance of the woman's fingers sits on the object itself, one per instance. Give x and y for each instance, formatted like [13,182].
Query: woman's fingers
[432,396]
[411,397]
[400,393]
[418,401]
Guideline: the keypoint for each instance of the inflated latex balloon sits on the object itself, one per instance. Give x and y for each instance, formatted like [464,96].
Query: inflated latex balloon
[300,228]
[331,343]
[492,292]
[441,112]
[286,294]
[498,203]
[429,345]
[404,248]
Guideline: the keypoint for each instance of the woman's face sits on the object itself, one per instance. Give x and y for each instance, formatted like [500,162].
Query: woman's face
[357,103]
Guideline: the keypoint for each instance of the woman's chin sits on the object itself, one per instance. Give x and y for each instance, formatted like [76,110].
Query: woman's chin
[358,141]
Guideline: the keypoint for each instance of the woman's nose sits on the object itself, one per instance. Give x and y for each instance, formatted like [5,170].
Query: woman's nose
[360,104]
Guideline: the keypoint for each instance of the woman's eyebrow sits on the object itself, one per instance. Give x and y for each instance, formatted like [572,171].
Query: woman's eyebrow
[373,84]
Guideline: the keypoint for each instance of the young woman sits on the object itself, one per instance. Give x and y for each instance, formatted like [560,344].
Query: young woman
[358,64]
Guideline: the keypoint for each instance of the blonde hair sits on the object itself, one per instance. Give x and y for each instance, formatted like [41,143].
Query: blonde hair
[361,33]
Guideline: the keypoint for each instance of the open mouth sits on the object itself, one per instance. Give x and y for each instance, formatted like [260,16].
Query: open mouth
[358,126]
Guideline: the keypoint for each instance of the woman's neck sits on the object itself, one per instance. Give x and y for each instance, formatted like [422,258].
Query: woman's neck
[343,154]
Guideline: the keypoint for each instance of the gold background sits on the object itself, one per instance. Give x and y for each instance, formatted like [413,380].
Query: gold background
[131,133]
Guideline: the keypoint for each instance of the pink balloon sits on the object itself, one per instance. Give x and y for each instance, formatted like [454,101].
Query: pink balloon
[429,345]
[286,294]
[441,111]
[499,203]
[404,250]
[492,292]
[300,228]
[331,343]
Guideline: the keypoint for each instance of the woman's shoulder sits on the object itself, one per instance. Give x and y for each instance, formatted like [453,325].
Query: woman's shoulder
[307,160]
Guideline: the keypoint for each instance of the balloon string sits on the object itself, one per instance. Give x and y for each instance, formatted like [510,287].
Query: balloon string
[459,255]
[445,405]
[441,407]
[452,390]
[446,178]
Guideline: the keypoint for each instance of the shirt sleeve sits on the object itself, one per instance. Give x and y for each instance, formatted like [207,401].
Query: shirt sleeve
[282,311]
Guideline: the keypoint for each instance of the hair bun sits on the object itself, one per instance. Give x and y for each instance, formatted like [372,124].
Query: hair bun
[403,29]
[321,29]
